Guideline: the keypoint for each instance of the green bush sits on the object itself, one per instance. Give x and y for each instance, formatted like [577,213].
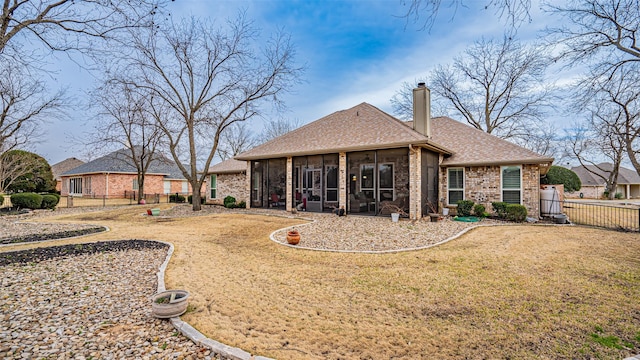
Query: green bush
[1,200]
[176,198]
[478,210]
[26,200]
[516,212]
[49,201]
[618,195]
[229,202]
[500,208]
[564,176]
[464,207]
[241,205]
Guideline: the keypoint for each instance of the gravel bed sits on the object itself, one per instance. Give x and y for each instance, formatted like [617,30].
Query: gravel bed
[353,233]
[89,306]
[374,234]
[17,229]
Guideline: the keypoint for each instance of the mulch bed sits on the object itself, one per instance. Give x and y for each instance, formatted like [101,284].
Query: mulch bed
[52,236]
[40,254]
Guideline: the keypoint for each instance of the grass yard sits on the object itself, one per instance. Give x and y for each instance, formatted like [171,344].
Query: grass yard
[601,214]
[523,292]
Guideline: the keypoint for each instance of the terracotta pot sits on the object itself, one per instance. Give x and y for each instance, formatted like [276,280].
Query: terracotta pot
[293,237]
[434,217]
[170,303]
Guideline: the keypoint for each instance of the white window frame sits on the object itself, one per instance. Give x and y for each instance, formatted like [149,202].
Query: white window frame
[455,189]
[213,188]
[134,185]
[502,189]
[185,187]
[75,183]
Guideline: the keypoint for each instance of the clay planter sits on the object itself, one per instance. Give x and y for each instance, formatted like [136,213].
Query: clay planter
[170,303]
[293,237]
[434,217]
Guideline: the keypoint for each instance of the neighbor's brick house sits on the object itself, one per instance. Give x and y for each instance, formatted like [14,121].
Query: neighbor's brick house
[114,174]
[364,159]
[227,178]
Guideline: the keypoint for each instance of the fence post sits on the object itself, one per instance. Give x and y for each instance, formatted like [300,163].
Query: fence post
[69,201]
[104,200]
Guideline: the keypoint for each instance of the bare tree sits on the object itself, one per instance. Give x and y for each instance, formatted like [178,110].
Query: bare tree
[496,86]
[603,136]
[275,128]
[236,139]
[602,34]
[124,119]
[62,25]
[24,106]
[424,12]
[203,80]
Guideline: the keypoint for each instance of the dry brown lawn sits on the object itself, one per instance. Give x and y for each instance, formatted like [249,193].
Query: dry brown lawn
[523,292]
[622,217]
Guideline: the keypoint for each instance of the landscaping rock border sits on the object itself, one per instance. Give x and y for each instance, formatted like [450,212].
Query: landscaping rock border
[52,236]
[46,253]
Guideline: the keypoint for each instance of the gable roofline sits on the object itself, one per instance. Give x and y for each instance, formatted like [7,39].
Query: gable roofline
[362,127]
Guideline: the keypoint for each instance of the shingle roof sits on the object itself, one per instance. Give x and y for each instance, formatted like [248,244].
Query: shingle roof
[471,146]
[120,162]
[231,166]
[365,127]
[64,166]
[625,176]
[362,127]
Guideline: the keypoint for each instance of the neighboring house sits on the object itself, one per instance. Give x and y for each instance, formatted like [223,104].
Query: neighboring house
[227,178]
[114,174]
[364,159]
[62,167]
[594,186]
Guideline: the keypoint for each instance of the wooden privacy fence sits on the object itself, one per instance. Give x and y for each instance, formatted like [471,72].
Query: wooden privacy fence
[617,216]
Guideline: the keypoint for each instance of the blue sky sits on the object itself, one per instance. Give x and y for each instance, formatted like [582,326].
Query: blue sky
[353,51]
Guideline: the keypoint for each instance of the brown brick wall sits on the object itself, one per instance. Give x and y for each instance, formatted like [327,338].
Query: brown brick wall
[228,185]
[482,185]
[118,184]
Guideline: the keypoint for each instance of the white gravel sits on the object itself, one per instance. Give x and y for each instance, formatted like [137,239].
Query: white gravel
[87,307]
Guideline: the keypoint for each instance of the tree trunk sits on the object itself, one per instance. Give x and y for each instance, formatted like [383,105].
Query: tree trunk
[632,156]
[196,200]
[140,189]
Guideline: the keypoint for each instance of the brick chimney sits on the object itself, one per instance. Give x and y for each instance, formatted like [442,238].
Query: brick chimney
[422,110]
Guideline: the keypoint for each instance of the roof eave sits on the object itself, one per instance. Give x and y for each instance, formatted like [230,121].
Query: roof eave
[548,161]
[426,144]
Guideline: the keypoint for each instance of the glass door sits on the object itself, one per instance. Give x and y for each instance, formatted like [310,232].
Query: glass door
[313,189]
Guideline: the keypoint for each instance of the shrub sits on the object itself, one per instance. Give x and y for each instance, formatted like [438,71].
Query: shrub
[1,200]
[241,205]
[464,207]
[26,200]
[49,201]
[564,176]
[478,210]
[176,198]
[618,195]
[500,208]
[229,202]
[516,212]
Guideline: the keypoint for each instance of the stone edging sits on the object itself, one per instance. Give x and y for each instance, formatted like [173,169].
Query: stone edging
[194,335]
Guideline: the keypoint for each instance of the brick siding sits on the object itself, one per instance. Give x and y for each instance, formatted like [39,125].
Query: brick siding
[482,185]
[228,185]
